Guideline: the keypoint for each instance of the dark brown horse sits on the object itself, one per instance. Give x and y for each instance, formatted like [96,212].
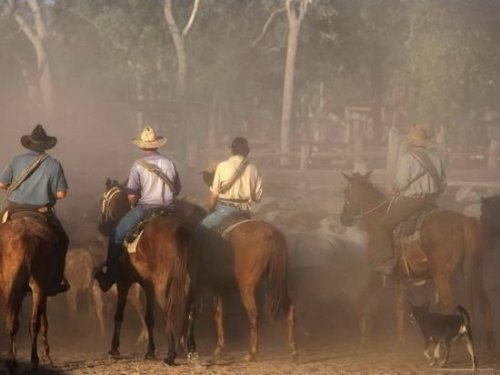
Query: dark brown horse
[27,253]
[165,265]
[253,252]
[449,242]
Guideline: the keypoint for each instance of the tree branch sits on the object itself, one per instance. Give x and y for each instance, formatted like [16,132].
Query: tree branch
[266,25]
[86,18]
[39,23]
[191,18]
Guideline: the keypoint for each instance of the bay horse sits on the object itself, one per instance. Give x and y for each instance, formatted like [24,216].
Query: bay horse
[449,242]
[27,254]
[252,252]
[165,265]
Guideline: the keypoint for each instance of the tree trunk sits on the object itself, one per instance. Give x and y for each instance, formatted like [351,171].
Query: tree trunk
[493,154]
[37,34]
[286,115]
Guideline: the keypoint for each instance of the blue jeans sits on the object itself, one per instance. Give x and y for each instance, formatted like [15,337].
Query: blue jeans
[130,220]
[215,218]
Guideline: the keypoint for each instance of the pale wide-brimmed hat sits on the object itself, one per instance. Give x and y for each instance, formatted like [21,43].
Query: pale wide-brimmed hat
[149,140]
[419,135]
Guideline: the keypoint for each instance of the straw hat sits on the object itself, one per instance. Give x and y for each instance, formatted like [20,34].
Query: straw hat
[38,141]
[419,136]
[149,140]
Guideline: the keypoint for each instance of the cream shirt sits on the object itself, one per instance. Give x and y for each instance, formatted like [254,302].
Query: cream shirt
[246,189]
[409,168]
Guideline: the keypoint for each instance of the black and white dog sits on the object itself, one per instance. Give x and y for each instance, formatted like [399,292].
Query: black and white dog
[441,331]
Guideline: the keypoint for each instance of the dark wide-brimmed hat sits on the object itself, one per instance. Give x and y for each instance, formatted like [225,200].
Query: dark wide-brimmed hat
[38,141]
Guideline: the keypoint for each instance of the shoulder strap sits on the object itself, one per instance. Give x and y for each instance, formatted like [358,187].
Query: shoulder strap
[157,171]
[237,174]
[35,163]
[425,161]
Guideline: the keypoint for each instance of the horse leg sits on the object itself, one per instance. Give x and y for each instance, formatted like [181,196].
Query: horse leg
[44,330]
[122,288]
[219,324]
[248,298]
[289,309]
[98,302]
[365,306]
[136,301]
[149,320]
[400,311]
[35,325]
[192,355]
[444,292]
[12,327]
[485,308]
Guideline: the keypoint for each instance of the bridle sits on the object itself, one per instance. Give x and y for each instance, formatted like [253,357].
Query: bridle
[106,212]
[363,214]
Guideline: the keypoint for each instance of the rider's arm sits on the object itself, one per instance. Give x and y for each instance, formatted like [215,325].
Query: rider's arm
[4,186]
[214,189]
[403,174]
[133,199]
[6,177]
[61,194]
[256,188]
[212,200]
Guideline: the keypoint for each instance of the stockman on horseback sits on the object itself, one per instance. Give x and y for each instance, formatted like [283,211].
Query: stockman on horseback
[34,181]
[153,183]
[420,179]
[236,184]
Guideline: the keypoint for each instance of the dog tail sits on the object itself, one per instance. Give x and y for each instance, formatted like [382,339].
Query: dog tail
[464,314]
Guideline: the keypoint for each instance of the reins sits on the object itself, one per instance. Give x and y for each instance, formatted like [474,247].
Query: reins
[363,214]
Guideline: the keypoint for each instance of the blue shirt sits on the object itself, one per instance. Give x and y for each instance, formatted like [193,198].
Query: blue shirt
[151,189]
[41,186]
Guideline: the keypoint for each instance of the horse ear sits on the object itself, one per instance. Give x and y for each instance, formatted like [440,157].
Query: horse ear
[108,183]
[367,175]
[347,177]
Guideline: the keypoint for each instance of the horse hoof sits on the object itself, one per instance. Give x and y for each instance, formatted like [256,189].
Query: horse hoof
[114,353]
[150,355]
[217,353]
[249,357]
[193,358]
[169,361]
[295,357]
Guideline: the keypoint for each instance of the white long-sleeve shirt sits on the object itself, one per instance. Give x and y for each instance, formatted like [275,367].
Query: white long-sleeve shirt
[409,168]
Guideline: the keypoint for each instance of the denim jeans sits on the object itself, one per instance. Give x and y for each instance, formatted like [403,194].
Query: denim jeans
[220,213]
[130,220]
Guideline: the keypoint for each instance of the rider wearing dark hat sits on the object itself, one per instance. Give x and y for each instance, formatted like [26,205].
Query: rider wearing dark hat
[34,181]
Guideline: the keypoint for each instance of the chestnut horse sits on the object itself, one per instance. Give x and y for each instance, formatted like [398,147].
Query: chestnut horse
[251,252]
[27,253]
[165,266]
[449,242]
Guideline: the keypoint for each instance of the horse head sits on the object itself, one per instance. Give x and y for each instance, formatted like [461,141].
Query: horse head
[114,205]
[353,195]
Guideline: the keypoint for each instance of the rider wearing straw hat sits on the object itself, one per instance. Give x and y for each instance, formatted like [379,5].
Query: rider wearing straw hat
[420,179]
[34,181]
[145,191]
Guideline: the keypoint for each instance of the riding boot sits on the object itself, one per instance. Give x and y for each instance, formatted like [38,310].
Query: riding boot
[58,283]
[108,278]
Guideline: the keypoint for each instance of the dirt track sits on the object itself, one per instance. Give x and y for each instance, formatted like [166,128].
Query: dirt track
[326,360]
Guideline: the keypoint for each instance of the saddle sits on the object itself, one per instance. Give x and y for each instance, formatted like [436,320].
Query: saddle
[232,221]
[16,211]
[406,239]
[134,234]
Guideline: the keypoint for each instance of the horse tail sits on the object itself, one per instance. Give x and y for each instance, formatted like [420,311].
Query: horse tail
[177,285]
[277,294]
[21,272]
[473,248]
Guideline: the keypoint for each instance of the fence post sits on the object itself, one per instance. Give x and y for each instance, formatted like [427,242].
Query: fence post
[392,153]
[304,157]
